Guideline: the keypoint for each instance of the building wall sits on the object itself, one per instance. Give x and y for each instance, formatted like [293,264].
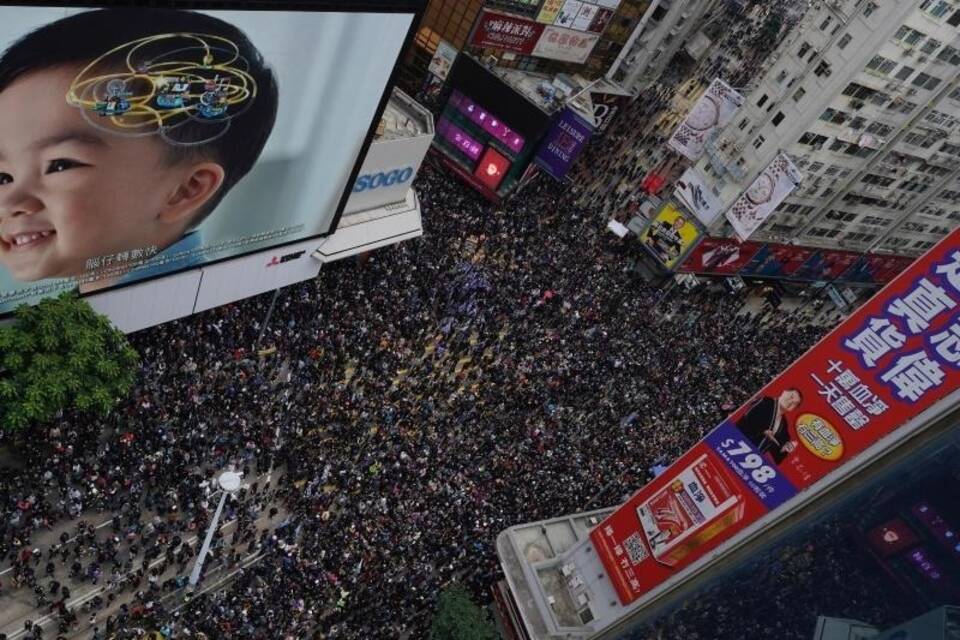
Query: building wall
[452,20]
[862,95]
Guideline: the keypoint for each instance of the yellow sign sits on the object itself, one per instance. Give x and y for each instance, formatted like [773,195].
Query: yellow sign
[549,10]
[670,235]
[819,437]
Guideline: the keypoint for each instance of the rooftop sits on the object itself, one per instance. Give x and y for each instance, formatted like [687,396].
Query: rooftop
[403,117]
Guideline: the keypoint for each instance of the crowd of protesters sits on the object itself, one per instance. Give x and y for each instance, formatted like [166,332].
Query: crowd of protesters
[508,367]
[394,415]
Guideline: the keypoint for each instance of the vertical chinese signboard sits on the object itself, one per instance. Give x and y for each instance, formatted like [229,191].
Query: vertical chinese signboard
[895,357]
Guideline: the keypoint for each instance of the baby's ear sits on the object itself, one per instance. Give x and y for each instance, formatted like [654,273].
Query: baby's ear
[203,181]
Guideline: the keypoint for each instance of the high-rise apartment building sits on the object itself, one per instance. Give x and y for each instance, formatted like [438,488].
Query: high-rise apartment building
[864,96]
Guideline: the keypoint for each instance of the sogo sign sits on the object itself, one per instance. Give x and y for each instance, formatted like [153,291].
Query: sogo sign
[382,179]
[387,172]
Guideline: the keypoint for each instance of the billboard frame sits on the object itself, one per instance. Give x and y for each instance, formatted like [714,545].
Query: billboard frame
[415,7]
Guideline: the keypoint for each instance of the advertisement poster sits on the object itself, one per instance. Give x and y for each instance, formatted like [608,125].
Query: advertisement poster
[600,21]
[827,265]
[568,14]
[550,11]
[712,112]
[763,196]
[565,140]
[443,59]
[565,44]
[777,261]
[179,138]
[606,106]
[492,168]
[720,256]
[685,512]
[692,191]
[502,31]
[585,17]
[670,235]
[895,357]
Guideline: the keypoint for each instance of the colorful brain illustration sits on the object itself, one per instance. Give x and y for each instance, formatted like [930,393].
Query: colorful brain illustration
[184,87]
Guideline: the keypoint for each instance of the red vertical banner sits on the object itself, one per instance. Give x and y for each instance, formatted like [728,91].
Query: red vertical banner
[892,359]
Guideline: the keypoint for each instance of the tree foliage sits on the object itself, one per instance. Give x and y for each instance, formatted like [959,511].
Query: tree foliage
[458,618]
[61,354]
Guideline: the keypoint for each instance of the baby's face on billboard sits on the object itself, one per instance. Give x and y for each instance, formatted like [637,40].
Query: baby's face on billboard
[70,192]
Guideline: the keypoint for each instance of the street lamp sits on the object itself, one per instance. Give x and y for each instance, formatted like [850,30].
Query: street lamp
[229,482]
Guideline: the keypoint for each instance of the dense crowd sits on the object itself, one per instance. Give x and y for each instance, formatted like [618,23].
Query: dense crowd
[398,413]
[508,367]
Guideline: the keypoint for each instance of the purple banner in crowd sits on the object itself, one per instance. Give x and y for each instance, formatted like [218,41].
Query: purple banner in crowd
[567,137]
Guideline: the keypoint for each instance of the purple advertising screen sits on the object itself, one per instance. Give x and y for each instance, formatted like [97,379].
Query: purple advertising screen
[460,139]
[565,140]
[487,121]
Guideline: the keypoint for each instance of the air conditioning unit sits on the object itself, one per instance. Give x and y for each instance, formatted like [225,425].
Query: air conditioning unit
[908,53]
[911,91]
[922,59]
[856,104]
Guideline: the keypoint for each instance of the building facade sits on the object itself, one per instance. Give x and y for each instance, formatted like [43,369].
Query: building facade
[452,21]
[863,95]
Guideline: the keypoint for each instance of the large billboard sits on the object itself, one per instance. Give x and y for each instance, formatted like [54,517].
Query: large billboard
[567,137]
[729,256]
[496,30]
[670,235]
[892,359]
[566,45]
[692,190]
[764,195]
[139,142]
[709,114]
[720,256]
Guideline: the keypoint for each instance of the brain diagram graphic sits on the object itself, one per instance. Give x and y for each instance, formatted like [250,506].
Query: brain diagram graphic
[184,87]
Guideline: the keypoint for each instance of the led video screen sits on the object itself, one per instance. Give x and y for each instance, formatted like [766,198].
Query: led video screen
[138,142]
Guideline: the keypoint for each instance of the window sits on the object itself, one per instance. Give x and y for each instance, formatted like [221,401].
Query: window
[948,54]
[932,84]
[777,119]
[823,70]
[844,41]
[763,100]
[838,146]
[826,23]
[879,129]
[931,45]
[936,8]
[759,142]
[803,49]
[881,65]
[909,36]
[798,94]
[869,8]
[904,73]
[954,19]
[812,139]
[743,124]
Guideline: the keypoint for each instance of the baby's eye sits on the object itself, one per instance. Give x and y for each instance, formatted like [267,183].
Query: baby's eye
[56,166]
[5,178]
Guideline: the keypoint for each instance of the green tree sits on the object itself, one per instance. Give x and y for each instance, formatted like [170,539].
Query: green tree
[61,354]
[458,618]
